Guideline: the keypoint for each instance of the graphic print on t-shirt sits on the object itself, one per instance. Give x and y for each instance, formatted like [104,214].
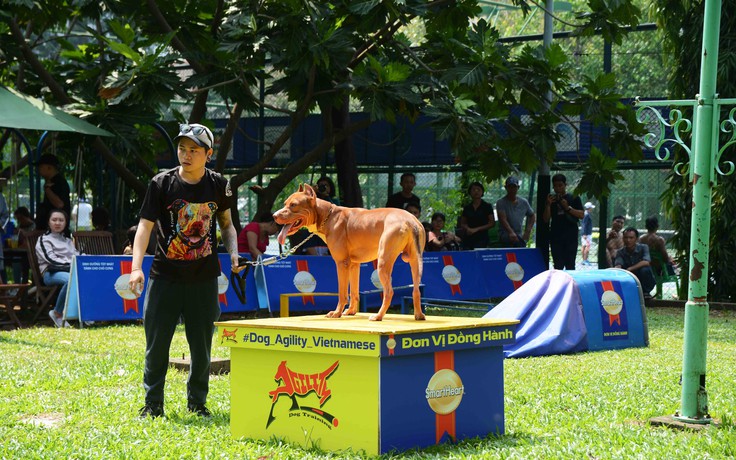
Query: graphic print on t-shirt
[192,224]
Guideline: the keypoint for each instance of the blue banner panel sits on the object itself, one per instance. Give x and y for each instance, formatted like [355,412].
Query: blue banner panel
[454,275]
[506,269]
[441,397]
[100,289]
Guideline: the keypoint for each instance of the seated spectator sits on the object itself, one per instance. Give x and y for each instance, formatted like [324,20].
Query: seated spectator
[657,245]
[415,210]
[326,190]
[635,258]
[439,240]
[614,239]
[477,218]
[101,220]
[24,220]
[55,251]
[254,236]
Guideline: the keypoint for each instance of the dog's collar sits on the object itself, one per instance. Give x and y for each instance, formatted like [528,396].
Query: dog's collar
[329,213]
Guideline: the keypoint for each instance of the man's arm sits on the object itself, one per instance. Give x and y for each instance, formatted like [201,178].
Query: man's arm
[54,199]
[505,224]
[229,238]
[142,235]
[531,219]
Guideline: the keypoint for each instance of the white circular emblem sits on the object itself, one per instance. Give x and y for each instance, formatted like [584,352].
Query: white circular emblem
[451,274]
[514,271]
[375,280]
[304,282]
[611,302]
[123,288]
[222,283]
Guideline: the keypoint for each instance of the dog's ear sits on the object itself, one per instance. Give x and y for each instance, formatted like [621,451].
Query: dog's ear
[301,187]
[309,191]
[178,204]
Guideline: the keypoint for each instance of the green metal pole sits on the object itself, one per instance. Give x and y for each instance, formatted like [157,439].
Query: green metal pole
[694,407]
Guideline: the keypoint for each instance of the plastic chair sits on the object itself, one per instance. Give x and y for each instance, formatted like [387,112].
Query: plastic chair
[664,276]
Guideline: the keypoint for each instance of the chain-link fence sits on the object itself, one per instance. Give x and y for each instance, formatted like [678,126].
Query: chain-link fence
[636,197]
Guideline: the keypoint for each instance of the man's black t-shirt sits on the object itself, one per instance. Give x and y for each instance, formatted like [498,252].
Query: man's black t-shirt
[564,227]
[398,200]
[60,187]
[186,248]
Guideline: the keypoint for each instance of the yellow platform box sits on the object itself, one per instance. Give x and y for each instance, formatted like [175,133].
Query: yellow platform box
[350,383]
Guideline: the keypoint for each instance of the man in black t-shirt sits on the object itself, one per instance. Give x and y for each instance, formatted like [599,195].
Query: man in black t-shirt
[406,196]
[55,191]
[184,201]
[564,211]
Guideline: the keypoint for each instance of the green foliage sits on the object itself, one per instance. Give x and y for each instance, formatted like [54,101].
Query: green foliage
[599,174]
[72,393]
[681,23]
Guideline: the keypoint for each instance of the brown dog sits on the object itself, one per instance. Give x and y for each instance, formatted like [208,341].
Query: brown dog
[355,235]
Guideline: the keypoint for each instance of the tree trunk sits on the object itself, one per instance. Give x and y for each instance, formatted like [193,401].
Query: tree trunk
[347,169]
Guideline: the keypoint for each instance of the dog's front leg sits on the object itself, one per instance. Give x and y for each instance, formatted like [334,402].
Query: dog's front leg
[342,289]
[354,273]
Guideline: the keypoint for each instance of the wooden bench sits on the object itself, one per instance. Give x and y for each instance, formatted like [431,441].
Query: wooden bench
[93,242]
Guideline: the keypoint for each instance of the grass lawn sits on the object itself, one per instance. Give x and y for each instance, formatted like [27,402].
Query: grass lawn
[71,393]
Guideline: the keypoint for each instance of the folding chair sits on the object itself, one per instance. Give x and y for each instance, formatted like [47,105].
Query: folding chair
[94,242]
[664,276]
[45,296]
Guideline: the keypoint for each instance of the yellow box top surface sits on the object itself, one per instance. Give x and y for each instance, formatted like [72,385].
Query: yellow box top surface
[359,324]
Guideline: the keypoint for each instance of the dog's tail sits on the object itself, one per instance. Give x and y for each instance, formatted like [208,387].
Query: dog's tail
[418,239]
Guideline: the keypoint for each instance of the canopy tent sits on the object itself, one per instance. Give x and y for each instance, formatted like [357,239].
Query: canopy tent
[20,111]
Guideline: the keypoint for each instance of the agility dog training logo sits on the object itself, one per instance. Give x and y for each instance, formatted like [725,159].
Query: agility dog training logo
[295,384]
[229,336]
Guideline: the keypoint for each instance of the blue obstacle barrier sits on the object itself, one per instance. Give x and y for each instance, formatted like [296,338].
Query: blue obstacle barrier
[566,312]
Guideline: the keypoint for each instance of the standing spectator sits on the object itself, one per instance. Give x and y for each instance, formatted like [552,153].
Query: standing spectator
[406,195]
[563,211]
[55,191]
[254,236]
[587,229]
[477,218]
[512,209]
[438,239]
[187,203]
[326,190]
[658,246]
[55,250]
[635,258]
[82,216]
[614,239]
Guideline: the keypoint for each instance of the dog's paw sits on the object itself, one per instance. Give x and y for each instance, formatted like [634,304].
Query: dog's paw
[334,314]
[419,317]
[375,317]
[352,311]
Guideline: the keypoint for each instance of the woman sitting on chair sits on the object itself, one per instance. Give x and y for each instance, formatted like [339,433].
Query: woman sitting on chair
[54,250]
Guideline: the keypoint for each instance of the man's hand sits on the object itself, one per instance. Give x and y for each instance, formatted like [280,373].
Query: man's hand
[135,282]
[234,263]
